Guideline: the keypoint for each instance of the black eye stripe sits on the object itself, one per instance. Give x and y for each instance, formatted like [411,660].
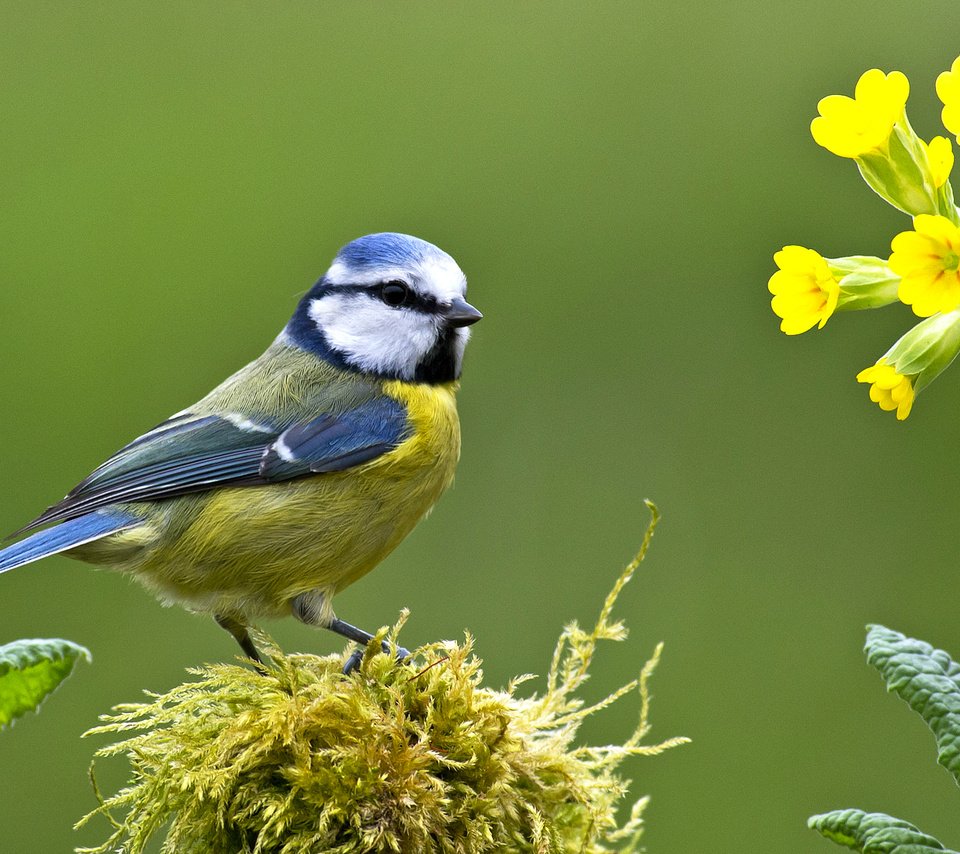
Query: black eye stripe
[416,302]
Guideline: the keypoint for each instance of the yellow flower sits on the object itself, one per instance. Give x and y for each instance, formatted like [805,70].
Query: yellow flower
[805,292]
[948,90]
[940,157]
[918,357]
[888,388]
[850,127]
[927,261]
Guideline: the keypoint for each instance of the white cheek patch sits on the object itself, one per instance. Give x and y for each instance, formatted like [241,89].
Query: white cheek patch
[373,336]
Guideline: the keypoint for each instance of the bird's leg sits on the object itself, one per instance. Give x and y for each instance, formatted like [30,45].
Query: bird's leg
[313,609]
[240,635]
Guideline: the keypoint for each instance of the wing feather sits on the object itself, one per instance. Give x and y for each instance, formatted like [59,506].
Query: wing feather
[196,453]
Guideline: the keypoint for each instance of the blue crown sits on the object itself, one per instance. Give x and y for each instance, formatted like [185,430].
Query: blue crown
[387,249]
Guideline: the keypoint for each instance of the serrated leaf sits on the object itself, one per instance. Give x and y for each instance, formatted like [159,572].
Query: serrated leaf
[875,833]
[30,670]
[928,680]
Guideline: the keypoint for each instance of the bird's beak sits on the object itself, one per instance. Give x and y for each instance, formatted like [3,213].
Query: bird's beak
[461,313]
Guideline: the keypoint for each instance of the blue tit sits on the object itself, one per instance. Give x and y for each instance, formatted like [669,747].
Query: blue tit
[302,471]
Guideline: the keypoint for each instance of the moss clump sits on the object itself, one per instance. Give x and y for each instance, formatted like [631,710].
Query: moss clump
[413,758]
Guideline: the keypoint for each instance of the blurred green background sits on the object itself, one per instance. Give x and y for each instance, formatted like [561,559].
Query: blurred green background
[614,178]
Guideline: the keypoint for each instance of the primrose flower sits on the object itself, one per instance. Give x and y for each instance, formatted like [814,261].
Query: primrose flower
[927,260]
[805,292]
[948,90]
[940,157]
[851,127]
[889,389]
[915,361]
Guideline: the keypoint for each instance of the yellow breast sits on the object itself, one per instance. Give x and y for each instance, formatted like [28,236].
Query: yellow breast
[252,549]
[432,410]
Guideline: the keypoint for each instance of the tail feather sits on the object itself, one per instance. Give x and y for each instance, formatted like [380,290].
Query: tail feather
[66,535]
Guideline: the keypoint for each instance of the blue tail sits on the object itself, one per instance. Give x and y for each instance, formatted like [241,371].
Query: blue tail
[66,535]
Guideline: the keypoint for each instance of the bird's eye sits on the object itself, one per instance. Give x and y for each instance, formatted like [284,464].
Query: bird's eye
[395,294]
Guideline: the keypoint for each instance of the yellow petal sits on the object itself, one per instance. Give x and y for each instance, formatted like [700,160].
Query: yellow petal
[883,90]
[935,226]
[950,116]
[903,410]
[783,282]
[948,83]
[923,306]
[921,279]
[886,404]
[836,107]
[949,295]
[792,257]
[899,391]
[909,244]
[887,381]
[798,302]
[798,324]
[940,156]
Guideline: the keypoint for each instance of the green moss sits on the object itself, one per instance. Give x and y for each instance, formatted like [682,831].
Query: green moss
[420,757]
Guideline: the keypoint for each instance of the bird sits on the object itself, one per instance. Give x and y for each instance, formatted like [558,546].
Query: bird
[300,472]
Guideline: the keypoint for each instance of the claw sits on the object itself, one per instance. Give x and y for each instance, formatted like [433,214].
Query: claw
[353,662]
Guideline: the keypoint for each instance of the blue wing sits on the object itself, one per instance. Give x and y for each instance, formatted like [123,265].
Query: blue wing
[76,532]
[193,453]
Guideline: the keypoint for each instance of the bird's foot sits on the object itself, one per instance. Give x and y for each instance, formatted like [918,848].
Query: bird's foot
[353,662]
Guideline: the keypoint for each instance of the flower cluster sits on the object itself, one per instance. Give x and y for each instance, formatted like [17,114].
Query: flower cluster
[923,269]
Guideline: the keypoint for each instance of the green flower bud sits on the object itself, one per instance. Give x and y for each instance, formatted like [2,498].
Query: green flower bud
[865,282]
[900,172]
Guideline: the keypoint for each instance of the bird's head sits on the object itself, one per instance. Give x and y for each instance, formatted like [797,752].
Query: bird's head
[390,305]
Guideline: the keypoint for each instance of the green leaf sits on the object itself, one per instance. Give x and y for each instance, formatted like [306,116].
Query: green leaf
[874,833]
[928,680]
[31,669]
